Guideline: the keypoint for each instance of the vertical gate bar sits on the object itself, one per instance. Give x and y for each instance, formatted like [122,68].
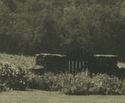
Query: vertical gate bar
[68,65]
[80,65]
[83,64]
[72,66]
[75,66]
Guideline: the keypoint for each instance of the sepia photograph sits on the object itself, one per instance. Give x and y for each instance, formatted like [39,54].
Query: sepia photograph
[62,51]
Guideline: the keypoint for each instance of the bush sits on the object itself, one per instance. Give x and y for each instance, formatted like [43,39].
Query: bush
[20,80]
[79,84]
[48,81]
[104,84]
[67,83]
[3,87]
[18,60]
[123,87]
[14,77]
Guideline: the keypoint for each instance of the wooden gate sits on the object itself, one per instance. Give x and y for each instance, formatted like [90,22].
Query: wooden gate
[77,61]
[75,66]
[61,63]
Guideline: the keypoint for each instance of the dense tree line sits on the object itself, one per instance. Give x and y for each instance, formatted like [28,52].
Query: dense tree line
[33,26]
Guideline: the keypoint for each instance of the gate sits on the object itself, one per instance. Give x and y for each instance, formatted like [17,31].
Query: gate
[61,63]
[75,66]
[77,60]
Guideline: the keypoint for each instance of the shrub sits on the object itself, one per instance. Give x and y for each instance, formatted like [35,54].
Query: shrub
[104,84]
[48,81]
[67,83]
[3,87]
[14,77]
[79,84]
[18,60]
[20,80]
[123,87]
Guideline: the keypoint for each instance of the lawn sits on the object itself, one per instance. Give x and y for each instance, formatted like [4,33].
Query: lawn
[35,96]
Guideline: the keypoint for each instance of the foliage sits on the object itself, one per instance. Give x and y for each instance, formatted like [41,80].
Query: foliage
[13,77]
[3,87]
[30,26]
[80,84]
[104,84]
[48,81]
[26,62]
[15,74]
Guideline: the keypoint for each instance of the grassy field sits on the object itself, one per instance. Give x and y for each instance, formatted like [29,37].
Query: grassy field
[55,97]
